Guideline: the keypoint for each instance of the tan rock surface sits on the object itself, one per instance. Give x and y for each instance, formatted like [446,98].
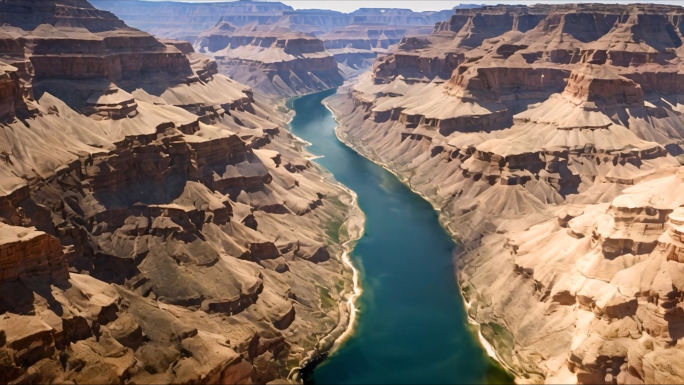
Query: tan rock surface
[547,136]
[151,227]
[273,59]
[169,19]
[274,48]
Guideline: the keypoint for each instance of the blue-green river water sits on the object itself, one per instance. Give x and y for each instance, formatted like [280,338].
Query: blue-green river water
[412,326]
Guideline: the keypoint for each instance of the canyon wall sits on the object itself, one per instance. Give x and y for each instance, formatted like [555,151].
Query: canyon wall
[550,138]
[355,47]
[157,222]
[275,60]
[262,44]
[185,21]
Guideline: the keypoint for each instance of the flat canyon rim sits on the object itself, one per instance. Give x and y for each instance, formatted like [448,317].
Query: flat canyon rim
[412,326]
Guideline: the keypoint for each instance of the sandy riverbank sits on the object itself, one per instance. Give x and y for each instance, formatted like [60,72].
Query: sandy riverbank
[342,137]
[350,231]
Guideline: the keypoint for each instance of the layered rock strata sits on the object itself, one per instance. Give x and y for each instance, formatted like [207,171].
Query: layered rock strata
[157,223]
[547,136]
[186,20]
[355,47]
[353,39]
[277,61]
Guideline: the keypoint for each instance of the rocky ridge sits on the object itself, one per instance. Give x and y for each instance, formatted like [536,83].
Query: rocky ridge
[355,47]
[548,136]
[185,21]
[275,60]
[157,223]
[247,38]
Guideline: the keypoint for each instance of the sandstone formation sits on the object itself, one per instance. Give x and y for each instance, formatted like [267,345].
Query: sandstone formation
[355,47]
[548,136]
[185,21]
[274,60]
[157,223]
[273,48]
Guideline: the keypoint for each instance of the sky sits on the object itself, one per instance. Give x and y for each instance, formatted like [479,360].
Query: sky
[428,5]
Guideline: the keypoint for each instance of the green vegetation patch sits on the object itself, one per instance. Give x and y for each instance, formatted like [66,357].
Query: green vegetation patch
[327,302]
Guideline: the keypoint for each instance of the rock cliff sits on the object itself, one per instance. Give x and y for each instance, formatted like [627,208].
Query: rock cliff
[242,37]
[548,136]
[355,47]
[185,21]
[157,222]
[274,60]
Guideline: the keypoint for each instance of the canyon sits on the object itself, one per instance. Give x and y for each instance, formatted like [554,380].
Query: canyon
[158,223]
[273,48]
[550,138]
[275,60]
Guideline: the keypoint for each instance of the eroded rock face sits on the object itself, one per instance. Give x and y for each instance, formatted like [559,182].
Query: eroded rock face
[275,60]
[153,228]
[355,47]
[170,19]
[242,37]
[547,135]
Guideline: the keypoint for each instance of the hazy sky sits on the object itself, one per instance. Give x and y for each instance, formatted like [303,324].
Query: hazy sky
[429,5]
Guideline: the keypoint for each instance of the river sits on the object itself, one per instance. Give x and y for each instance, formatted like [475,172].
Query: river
[412,326]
